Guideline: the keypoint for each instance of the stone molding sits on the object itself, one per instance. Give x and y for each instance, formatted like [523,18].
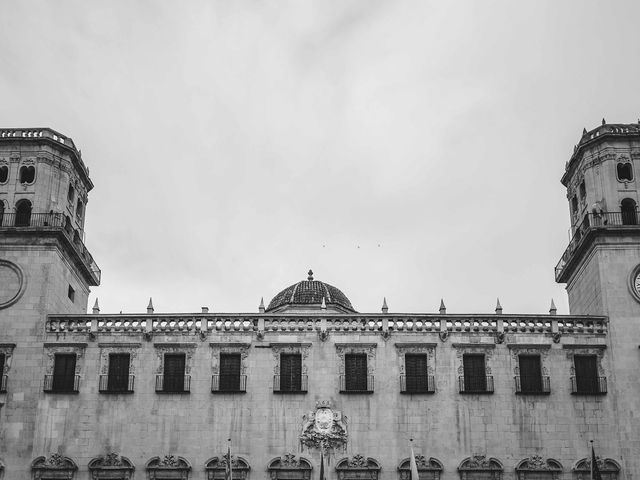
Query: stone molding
[358,467]
[108,348]
[216,467]
[111,466]
[168,466]
[354,348]
[50,350]
[54,467]
[290,348]
[284,466]
[187,348]
[229,347]
[427,349]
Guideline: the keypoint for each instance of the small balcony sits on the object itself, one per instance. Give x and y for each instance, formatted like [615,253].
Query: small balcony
[296,384]
[590,223]
[526,385]
[173,383]
[3,383]
[228,383]
[476,384]
[52,222]
[62,384]
[356,384]
[588,385]
[116,383]
[412,384]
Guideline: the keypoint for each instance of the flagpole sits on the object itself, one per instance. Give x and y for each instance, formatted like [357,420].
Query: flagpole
[412,463]
[592,459]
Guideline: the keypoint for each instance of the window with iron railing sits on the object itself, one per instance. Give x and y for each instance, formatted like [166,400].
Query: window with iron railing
[530,380]
[586,380]
[64,378]
[118,380]
[173,379]
[229,379]
[290,379]
[416,378]
[356,378]
[475,379]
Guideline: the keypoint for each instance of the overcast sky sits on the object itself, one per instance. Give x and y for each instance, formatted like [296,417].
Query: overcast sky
[411,150]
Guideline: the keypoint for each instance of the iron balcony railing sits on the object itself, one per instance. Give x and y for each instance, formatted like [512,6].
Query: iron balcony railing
[173,383]
[595,221]
[51,221]
[62,384]
[3,383]
[528,385]
[290,384]
[228,383]
[116,383]
[588,385]
[417,384]
[476,384]
[356,384]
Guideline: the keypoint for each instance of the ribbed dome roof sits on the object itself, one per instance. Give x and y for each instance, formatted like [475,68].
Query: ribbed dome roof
[310,292]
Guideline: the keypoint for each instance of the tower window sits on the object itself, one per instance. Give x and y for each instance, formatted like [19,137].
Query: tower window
[4,173]
[624,171]
[27,174]
[574,205]
[23,213]
[71,193]
[79,211]
[628,212]
[583,191]
[71,293]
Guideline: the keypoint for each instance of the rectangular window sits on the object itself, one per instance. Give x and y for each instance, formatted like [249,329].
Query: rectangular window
[71,293]
[586,374]
[174,370]
[290,372]
[64,372]
[118,379]
[355,370]
[230,372]
[3,377]
[530,373]
[416,373]
[475,377]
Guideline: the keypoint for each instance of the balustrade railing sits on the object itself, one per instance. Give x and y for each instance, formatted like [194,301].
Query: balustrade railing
[228,383]
[173,383]
[116,383]
[588,385]
[61,384]
[528,385]
[290,384]
[417,384]
[476,384]
[356,384]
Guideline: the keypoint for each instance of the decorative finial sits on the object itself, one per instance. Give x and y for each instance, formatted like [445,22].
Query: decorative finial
[310,277]
[498,307]
[584,131]
[604,122]
[96,307]
[261,307]
[552,310]
[150,306]
[323,305]
[385,309]
[443,309]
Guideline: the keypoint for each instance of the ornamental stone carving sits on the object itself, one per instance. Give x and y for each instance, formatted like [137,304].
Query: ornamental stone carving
[427,349]
[288,466]
[216,468]
[464,348]
[536,467]
[428,468]
[608,466]
[324,428]
[51,349]
[354,348]
[108,348]
[56,466]
[238,348]
[168,466]
[541,350]
[490,467]
[111,466]
[187,349]
[358,467]
[290,348]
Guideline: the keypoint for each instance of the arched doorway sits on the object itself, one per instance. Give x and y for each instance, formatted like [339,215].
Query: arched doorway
[23,213]
[628,210]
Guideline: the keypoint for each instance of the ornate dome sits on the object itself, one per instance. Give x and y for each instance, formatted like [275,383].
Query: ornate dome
[310,292]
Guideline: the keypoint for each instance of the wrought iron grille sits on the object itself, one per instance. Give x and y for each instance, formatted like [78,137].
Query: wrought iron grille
[533,385]
[298,384]
[352,384]
[173,383]
[476,384]
[116,383]
[417,384]
[58,384]
[228,383]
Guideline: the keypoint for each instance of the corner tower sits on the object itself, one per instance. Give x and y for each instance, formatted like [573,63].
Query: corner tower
[44,264]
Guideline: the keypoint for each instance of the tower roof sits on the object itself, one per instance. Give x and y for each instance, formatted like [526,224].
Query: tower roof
[310,292]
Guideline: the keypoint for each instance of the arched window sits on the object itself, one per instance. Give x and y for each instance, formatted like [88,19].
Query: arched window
[624,170]
[574,205]
[27,174]
[79,210]
[628,210]
[111,466]
[428,469]
[583,190]
[23,213]
[4,173]
[479,467]
[536,468]
[288,467]
[70,193]
[358,468]
[217,466]
[168,467]
[56,466]
[609,469]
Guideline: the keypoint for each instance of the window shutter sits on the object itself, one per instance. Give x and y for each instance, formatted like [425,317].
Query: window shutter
[416,372]
[530,373]
[174,372]
[64,372]
[586,373]
[118,379]
[475,379]
[230,372]
[290,372]
[355,369]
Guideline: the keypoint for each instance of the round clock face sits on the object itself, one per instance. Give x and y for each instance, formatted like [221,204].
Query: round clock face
[634,283]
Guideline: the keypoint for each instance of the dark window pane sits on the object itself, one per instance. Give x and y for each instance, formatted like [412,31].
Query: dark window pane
[290,372]
[64,371]
[4,173]
[230,372]
[416,370]
[475,379]
[628,212]
[355,370]
[27,174]
[530,373]
[586,373]
[23,213]
[625,171]
[118,380]
[173,372]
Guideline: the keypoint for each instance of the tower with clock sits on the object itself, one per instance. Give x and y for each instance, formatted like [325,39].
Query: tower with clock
[601,265]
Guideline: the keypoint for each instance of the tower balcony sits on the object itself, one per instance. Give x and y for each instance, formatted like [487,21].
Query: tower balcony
[592,224]
[45,225]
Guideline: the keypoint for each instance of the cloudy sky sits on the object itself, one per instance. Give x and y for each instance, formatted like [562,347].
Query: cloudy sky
[411,150]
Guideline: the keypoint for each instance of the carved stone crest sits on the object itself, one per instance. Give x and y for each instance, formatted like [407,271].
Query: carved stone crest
[324,428]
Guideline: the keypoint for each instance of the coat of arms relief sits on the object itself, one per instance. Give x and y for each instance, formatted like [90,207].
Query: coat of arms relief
[324,428]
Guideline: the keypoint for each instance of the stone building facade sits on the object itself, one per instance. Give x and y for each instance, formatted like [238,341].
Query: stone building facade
[157,395]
